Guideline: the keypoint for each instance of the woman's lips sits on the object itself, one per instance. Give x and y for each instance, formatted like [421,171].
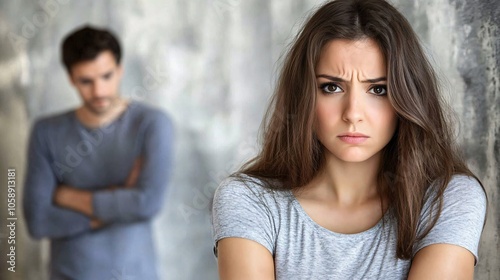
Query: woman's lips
[353,138]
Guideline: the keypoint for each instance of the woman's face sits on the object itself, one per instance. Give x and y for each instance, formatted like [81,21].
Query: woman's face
[354,118]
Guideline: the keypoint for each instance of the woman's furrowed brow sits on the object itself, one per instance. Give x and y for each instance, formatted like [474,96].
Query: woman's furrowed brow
[331,78]
[376,80]
[337,79]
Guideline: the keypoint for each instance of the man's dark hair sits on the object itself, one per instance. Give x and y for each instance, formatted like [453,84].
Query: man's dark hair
[86,44]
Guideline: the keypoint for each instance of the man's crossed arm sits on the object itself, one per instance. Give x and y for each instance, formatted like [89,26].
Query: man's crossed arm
[81,200]
[59,211]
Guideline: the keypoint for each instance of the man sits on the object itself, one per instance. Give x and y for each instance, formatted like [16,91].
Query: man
[96,175]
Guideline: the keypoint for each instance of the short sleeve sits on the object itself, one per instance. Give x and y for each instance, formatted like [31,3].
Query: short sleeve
[239,210]
[462,217]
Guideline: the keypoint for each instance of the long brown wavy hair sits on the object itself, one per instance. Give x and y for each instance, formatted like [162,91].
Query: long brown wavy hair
[421,153]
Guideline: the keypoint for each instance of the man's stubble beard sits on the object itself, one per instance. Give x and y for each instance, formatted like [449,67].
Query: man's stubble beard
[113,102]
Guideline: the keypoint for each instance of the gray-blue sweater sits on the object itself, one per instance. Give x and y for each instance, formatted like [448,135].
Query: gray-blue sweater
[63,151]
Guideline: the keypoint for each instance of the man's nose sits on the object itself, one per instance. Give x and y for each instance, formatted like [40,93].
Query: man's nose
[98,89]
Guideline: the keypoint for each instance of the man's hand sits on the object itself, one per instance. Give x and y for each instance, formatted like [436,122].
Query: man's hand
[78,200]
[74,199]
[95,223]
[134,173]
[81,200]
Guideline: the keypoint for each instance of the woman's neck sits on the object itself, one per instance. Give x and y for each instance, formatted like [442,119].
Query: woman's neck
[346,183]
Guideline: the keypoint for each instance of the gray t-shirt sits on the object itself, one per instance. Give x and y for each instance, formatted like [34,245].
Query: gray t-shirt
[302,249]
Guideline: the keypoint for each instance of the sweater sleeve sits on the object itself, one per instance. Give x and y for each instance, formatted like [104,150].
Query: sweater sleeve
[43,218]
[145,199]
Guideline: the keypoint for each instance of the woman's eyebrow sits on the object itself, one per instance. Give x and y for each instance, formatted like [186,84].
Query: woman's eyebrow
[337,79]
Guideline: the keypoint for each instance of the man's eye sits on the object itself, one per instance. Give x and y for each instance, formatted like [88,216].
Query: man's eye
[85,82]
[378,90]
[330,88]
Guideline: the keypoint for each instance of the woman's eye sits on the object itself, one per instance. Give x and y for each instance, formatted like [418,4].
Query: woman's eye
[379,90]
[330,88]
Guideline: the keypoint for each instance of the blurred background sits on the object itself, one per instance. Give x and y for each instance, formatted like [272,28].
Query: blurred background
[212,64]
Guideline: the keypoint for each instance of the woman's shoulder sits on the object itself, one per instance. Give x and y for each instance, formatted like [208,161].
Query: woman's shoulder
[459,184]
[245,184]
[247,207]
[464,187]
[460,218]
[460,188]
[243,188]
[463,194]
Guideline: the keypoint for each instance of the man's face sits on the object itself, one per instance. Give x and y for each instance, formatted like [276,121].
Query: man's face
[97,82]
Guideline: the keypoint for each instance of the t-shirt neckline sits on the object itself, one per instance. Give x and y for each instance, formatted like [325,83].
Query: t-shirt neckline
[307,219]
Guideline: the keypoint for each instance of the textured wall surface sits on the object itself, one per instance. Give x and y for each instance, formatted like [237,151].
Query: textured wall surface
[212,65]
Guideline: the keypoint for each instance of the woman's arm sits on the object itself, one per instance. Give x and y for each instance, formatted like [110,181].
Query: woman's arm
[450,249]
[244,259]
[442,261]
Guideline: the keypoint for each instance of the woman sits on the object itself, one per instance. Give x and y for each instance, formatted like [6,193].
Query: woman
[358,177]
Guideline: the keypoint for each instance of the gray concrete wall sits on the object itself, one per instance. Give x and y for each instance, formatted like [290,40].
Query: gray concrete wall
[213,64]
